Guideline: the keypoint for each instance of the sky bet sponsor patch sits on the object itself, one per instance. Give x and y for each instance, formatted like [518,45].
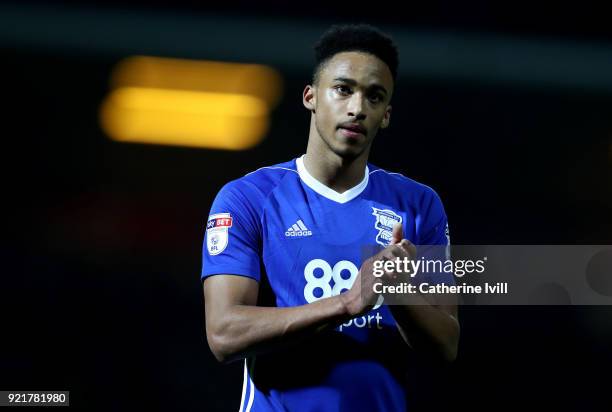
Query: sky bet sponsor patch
[217,232]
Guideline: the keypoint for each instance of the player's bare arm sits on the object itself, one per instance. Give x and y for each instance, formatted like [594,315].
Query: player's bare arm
[237,328]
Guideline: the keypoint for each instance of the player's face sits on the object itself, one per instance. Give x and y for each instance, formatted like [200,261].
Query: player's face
[351,101]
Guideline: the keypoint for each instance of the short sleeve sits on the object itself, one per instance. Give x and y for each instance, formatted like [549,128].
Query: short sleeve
[434,242]
[434,230]
[232,237]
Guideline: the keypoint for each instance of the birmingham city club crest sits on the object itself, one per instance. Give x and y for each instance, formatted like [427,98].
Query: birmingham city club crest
[385,219]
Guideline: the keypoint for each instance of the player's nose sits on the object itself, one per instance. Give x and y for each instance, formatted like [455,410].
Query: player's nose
[356,106]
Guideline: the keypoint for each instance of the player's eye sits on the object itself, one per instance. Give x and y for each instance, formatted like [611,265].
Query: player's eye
[376,98]
[342,89]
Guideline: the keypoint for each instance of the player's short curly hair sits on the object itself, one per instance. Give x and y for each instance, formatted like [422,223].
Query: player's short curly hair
[354,37]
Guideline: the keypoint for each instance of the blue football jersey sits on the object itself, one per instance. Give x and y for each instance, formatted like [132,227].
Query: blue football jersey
[302,241]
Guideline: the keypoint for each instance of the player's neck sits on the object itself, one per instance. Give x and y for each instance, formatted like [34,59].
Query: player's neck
[338,173]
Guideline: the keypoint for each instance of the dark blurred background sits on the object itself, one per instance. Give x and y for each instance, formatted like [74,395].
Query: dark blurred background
[505,108]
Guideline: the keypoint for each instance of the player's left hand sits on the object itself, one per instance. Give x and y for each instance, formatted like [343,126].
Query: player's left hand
[406,247]
[361,297]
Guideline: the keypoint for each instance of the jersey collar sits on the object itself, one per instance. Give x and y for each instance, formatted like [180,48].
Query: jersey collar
[327,192]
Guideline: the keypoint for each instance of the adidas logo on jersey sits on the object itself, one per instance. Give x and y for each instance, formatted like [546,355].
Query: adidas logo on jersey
[298,229]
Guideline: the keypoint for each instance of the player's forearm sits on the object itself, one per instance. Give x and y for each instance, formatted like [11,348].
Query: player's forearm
[247,330]
[428,328]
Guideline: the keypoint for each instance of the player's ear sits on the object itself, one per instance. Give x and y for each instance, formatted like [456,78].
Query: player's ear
[386,118]
[309,98]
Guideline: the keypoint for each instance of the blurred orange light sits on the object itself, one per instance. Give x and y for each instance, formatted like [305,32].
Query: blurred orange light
[184,118]
[190,103]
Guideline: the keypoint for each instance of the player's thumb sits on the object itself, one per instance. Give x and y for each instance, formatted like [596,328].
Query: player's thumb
[398,233]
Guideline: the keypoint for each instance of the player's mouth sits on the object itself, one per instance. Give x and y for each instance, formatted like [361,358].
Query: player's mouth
[352,130]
